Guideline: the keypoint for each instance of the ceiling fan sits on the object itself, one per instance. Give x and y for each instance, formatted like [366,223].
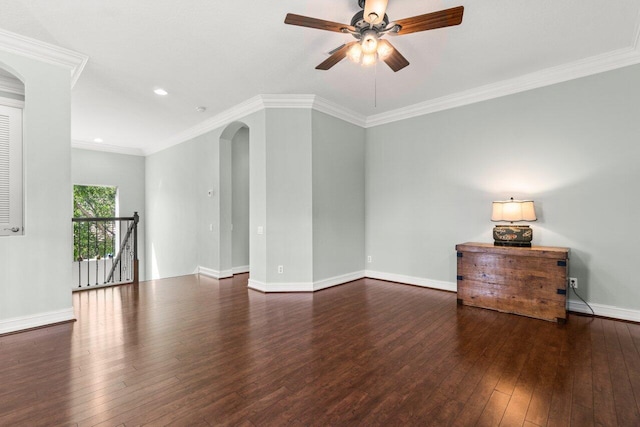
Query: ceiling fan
[369,25]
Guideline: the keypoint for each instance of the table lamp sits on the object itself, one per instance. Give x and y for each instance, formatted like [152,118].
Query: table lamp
[513,211]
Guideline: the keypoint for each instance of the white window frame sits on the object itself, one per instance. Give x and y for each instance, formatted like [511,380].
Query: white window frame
[12,109]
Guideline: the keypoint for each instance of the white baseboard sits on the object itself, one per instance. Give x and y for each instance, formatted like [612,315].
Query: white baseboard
[282,286]
[214,273]
[605,310]
[37,320]
[240,270]
[410,280]
[337,280]
[257,286]
[305,286]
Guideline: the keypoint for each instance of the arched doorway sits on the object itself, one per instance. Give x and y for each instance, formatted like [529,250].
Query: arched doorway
[234,199]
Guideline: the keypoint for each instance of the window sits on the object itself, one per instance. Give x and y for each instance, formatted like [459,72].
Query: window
[91,239]
[11,221]
[91,201]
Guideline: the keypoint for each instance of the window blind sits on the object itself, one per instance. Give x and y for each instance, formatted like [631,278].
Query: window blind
[11,192]
[5,170]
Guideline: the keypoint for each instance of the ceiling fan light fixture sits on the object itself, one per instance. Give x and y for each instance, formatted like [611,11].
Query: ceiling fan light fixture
[355,53]
[369,41]
[374,11]
[368,59]
[384,50]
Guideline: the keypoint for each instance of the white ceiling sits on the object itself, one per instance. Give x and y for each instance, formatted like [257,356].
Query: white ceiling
[220,53]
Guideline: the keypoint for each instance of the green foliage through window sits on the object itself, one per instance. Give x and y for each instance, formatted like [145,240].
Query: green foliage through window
[94,239]
[92,201]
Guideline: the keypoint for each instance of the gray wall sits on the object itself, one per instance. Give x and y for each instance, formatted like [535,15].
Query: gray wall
[188,229]
[338,197]
[120,170]
[172,203]
[289,228]
[28,289]
[240,198]
[305,188]
[572,148]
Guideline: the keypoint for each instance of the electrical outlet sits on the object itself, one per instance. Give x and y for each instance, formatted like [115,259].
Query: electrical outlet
[280,269]
[573,282]
[369,258]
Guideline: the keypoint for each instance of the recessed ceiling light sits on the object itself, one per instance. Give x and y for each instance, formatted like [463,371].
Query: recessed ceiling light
[201,109]
[98,140]
[160,91]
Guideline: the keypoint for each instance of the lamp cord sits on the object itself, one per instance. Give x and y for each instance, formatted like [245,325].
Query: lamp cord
[593,313]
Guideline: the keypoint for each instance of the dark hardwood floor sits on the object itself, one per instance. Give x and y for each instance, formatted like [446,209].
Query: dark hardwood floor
[196,351]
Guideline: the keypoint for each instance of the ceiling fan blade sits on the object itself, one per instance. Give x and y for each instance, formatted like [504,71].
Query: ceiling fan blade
[320,24]
[431,21]
[338,55]
[394,60]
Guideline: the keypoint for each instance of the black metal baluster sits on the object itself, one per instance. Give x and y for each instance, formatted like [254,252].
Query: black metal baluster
[88,253]
[119,249]
[104,253]
[76,244]
[97,252]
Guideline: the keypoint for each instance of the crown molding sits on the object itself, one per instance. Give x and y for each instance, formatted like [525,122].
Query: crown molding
[581,68]
[316,103]
[237,112]
[94,146]
[288,101]
[259,103]
[324,106]
[11,85]
[45,52]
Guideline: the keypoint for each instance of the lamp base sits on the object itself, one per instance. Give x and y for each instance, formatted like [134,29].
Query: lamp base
[512,235]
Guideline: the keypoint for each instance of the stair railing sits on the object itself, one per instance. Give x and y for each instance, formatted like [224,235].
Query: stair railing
[105,251]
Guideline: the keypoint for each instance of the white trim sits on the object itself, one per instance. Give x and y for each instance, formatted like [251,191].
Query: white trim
[410,280]
[234,113]
[581,68]
[45,52]
[316,103]
[240,269]
[214,273]
[11,85]
[35,321]
[337,280]
[288,101]
[339,112]
[605,310]
[255,104]
[256,285]
[282,287]
[305,286]
[94,146]
[10,102]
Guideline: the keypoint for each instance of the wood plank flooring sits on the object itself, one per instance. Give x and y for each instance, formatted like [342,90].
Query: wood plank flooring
[194,351]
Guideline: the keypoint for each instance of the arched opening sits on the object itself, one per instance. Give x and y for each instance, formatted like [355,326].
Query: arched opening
[240,201]
[234,199]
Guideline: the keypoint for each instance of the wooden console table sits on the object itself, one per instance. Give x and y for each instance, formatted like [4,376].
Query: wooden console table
[527,281]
